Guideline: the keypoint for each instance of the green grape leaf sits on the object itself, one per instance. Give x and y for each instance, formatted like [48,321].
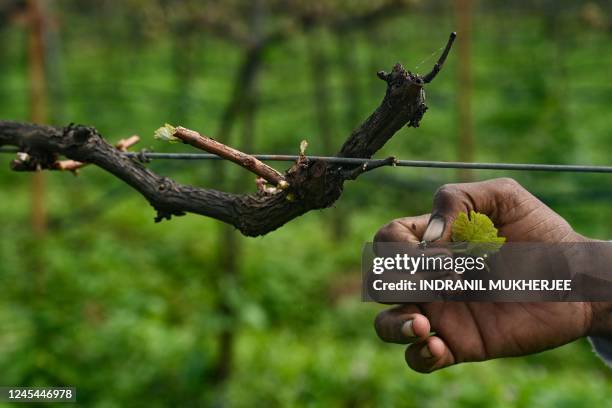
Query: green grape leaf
[478,233]
[477,228]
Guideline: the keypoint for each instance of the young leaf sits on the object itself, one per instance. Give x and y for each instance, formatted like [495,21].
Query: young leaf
[477,228]
[166,134]
[303,146]
[479,232]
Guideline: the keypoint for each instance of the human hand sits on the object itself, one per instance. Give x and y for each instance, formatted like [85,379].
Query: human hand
[466,331]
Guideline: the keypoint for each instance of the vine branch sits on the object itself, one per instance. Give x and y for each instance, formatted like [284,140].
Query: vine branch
[311,184]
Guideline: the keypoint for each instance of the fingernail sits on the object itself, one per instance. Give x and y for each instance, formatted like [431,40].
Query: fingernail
[425,352]
[407,329]
[434,230]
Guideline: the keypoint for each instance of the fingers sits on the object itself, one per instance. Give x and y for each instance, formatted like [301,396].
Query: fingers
[402,324]
[492,197]
[409,229]
[406,325]
[429,355]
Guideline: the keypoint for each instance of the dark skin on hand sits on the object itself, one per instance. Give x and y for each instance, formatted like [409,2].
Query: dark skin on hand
[480,331]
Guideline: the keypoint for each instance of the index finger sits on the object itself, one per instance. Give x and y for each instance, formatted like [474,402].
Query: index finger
[407,229]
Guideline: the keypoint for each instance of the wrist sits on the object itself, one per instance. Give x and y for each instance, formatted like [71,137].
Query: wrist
[600,319]
[597,314]
[601,311]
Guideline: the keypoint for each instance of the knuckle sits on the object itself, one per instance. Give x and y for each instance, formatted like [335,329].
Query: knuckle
[446,195]
[509,182]
[510,188]
[388,232]
[448,189]
[382,234]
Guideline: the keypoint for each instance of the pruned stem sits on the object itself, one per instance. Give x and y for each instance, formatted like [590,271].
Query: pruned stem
[73,165]
[125,144]
[242,159]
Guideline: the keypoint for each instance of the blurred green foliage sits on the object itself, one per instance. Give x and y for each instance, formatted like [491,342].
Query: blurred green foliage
[128,311]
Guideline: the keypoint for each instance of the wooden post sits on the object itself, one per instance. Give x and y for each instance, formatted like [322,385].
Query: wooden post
[38,104]
[319,70]
[465,149]
[230,244]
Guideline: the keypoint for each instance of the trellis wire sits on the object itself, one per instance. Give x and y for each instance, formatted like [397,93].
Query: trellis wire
[374,162]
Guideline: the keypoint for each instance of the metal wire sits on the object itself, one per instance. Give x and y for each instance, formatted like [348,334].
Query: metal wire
[374,162]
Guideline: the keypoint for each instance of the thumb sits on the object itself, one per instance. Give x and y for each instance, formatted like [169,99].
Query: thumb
[451,199]
[436,230]
[448,202]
